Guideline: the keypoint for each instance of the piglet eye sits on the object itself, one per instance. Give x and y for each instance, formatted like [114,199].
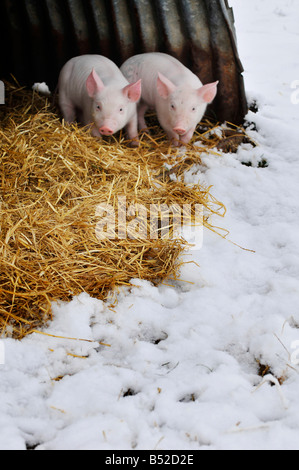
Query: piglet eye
[121,110]
[173,106]
[193,109]
[99,107]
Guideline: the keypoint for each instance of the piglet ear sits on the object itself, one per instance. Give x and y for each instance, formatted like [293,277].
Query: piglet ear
[94,84]
[208,92]
[164,86]
[133,91]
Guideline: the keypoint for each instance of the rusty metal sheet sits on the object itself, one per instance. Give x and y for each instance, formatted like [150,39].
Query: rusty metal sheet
[39,36]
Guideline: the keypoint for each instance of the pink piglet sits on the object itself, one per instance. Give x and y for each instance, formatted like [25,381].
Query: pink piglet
[93,90]
[172,90]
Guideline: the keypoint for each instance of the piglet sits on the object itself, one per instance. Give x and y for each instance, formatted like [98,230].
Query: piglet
[93,90]
[172,90]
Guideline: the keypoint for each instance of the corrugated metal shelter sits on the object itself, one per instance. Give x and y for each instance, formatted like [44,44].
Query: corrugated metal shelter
[39,36]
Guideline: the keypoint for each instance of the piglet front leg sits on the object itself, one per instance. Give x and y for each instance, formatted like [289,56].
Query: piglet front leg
[174,138]
[68,111]
[142,109]
[179,140]
[132,131]
[185,139]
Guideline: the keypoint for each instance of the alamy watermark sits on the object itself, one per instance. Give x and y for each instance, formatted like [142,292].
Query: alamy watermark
[295,94]
[2,93]
[156,221]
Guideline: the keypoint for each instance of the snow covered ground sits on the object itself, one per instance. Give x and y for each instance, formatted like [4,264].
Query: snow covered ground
[178,367]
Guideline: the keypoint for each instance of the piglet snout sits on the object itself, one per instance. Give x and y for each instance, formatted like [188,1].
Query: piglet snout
[105,130]
[180,130]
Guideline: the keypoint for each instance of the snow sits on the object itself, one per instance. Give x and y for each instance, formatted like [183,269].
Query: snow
[41,88]
[177,366]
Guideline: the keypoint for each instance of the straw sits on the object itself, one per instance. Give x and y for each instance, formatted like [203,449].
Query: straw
[54,177]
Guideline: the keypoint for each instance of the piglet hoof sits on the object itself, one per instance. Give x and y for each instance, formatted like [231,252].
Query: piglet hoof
[145,131]
[175,143]
[134,143]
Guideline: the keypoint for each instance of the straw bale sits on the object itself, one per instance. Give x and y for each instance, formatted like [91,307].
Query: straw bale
[53,177]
